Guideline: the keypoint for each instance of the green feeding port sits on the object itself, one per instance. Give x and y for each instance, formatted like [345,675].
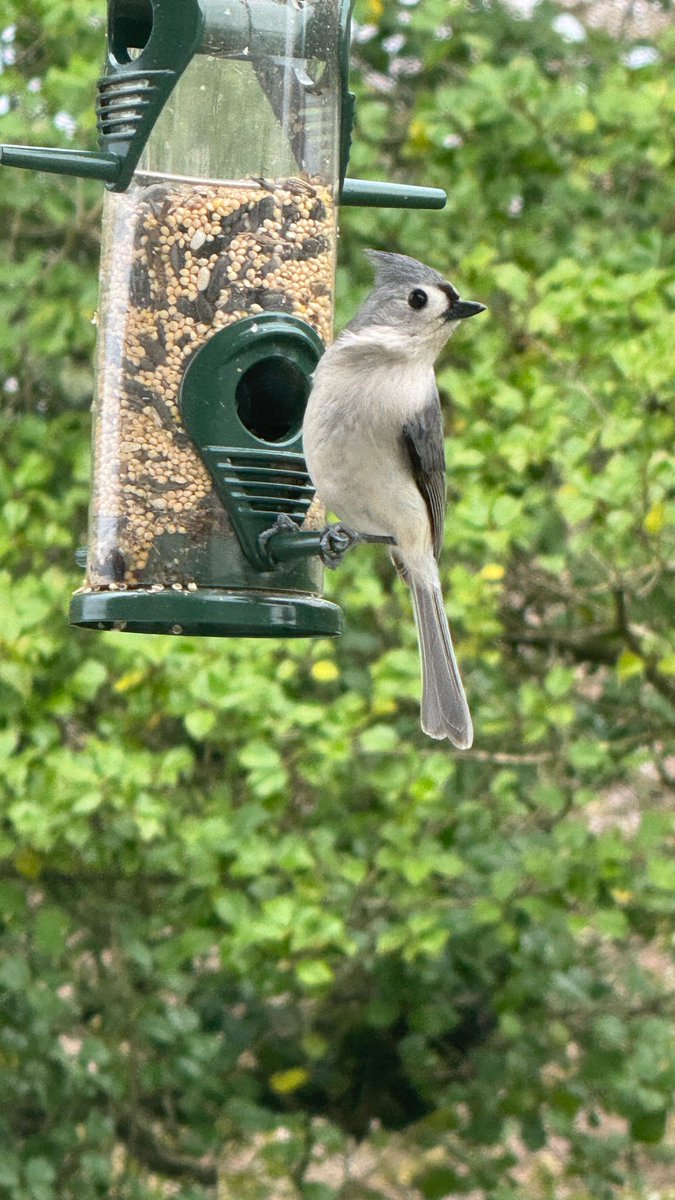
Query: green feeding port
[242,401]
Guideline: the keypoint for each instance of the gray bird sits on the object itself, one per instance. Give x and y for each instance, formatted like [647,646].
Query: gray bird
[373,441]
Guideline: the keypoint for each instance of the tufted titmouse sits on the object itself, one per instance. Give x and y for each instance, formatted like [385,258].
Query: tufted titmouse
[373,441]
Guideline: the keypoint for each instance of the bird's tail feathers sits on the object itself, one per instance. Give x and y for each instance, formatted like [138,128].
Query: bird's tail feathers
[445,712]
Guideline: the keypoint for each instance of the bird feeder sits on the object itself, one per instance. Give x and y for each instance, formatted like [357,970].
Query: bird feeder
[225,128]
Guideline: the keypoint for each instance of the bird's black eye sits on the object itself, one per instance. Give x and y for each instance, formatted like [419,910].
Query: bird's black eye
[417,298]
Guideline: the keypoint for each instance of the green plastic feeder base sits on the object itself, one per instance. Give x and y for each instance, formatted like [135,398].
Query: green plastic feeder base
[208,612]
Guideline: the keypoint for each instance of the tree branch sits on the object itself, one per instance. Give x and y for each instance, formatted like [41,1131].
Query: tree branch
[145,1146]
[504,758]
[594,650]
[602,649]
[652,673]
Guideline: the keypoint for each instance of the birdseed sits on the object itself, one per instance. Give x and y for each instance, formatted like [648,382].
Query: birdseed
[179,262]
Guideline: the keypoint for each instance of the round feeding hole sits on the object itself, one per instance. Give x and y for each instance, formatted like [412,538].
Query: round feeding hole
[130,26]
[271,398]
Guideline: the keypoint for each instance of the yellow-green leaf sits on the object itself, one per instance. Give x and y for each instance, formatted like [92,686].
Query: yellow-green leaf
[285,1082]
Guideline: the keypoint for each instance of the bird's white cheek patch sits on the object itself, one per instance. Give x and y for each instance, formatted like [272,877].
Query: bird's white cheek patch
[438,303]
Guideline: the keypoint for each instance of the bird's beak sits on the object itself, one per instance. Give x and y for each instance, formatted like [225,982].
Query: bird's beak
[463,308]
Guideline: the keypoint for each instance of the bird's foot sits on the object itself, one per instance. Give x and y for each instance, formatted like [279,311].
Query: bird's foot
[336,540]
[283,524]
[331,544]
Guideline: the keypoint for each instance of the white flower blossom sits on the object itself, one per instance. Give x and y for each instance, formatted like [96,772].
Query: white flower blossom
[569,28]
[641,56]
[65,123]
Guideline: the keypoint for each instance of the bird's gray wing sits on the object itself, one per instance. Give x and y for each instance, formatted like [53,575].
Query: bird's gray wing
[424,445]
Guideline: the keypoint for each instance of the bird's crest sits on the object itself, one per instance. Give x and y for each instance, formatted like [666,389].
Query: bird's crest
[393,269]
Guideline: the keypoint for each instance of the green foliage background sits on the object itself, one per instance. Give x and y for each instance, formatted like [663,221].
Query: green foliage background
[246,907]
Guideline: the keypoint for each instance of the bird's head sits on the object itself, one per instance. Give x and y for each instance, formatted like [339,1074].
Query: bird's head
[412,309]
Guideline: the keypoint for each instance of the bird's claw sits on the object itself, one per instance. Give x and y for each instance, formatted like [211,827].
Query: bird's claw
[336,540]
[283,523]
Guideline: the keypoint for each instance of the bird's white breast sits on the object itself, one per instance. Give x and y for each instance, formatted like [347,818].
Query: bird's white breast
[361,399]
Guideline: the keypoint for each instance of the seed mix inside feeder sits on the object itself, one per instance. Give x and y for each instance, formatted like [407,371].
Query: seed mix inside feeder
[184,262]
